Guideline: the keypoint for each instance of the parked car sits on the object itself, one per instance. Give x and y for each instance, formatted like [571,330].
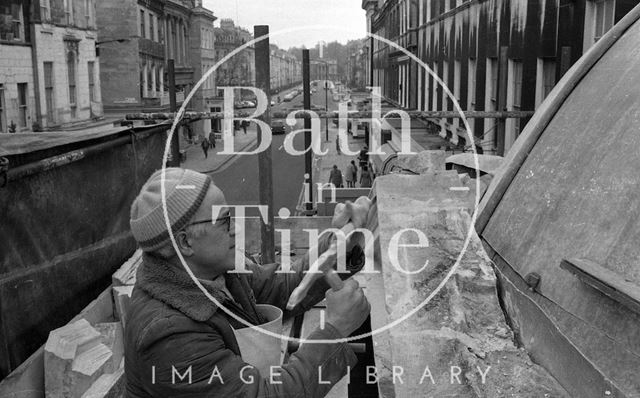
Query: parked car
[278,126]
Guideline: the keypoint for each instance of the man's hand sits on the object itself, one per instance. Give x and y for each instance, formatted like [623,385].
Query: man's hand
[347,308]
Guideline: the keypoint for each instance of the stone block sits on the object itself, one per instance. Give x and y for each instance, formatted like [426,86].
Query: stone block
[126,274]
[109,385]
[62,347]
[423,162]
[121,299]
[443,292]
[86,369]
[113,338]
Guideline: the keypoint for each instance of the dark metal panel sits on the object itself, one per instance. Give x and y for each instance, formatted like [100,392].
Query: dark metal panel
[64,232]
[576,195]
[585,361]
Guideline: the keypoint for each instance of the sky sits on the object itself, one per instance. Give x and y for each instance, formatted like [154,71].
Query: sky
[343,20]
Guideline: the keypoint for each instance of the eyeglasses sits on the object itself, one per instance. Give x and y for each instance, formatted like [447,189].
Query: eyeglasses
[226,220]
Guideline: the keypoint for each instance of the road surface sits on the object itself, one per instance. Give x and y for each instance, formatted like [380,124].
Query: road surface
[240,179]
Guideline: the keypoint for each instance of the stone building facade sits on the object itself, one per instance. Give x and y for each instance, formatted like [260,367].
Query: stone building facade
[49,74]
[68,71]
[285,69]
[203,58]
[239,70]
[138,38]
[17,96]
[493,55]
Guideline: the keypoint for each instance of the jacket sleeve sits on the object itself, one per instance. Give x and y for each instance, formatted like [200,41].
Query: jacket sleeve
[272,287]
[198,364]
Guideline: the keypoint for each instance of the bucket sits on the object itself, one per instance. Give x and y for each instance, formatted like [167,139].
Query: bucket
[259,349]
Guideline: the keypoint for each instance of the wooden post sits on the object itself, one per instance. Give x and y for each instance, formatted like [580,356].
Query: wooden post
[175,139]
[265,169]
[306,89]
[503,73]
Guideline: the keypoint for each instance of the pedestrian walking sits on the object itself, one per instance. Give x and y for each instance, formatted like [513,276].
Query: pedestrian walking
[352,175]
[212,139]
[335,177]
[363,156]
[338,145]
[170,322]
[205,146]
[244,126]
[365,177]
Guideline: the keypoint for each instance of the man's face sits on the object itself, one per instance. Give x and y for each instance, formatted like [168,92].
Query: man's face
[214,249]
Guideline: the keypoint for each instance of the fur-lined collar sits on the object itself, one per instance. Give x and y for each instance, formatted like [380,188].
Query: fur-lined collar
[174,287]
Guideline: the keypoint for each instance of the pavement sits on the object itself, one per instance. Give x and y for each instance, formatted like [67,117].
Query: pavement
[324,163]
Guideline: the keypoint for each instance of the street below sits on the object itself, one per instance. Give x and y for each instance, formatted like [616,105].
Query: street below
[239,179]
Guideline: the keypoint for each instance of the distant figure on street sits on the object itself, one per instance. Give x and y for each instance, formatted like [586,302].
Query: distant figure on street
[352,175]
[212,139]
[244,126]
[365,177]
[338,145]
[335,177]
[363,156]
[205,146]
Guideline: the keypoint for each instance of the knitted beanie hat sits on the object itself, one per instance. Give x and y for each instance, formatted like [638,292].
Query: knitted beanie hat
[185,190]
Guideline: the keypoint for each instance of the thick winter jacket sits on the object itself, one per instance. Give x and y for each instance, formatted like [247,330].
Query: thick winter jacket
[179,344]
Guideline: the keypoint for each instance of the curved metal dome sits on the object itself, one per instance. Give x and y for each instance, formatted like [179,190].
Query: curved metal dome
[570,190]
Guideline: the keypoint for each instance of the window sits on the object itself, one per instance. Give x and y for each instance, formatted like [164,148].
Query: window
[13,28]
[514,98]
[150,74]
[436,87]
[71,73]
[48,90]
[16,22]
[143,30]
[22,104]
[471,85]
[92,84]
[603,17]
[45,10]
[151,29]
[88,14]
[457,75]
[445,80]
[2,121]
[517,92]
[599,18]
[493,82]
[490,104]
[68,11]
[545,79]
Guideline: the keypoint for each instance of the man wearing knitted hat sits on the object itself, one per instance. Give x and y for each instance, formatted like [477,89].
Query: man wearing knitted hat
[179,343]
